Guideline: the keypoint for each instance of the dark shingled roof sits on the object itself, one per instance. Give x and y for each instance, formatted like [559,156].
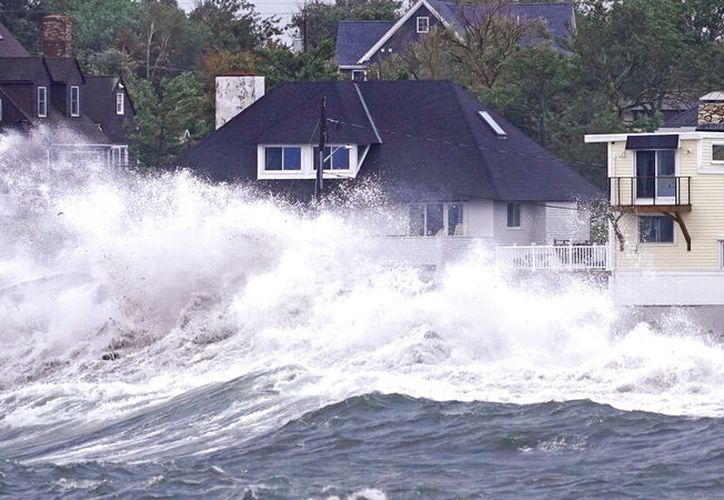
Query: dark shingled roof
[9,45]
[558,17]
[354,38]
[22,69]
[688,118]
[64,69]
[434,144]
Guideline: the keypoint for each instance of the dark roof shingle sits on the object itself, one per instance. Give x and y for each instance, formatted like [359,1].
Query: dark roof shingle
[433,144]
[354,39]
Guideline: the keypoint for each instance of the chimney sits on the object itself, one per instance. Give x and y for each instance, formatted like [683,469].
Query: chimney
[711,112]
[57,36]
[235,93]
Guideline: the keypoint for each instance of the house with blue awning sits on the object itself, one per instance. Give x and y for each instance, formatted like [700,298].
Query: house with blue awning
[666,191]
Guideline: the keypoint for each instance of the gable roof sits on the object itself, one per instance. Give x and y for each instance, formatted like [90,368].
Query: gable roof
[559,19]
[432,142]
[354,38]
[99,92]
[9,45]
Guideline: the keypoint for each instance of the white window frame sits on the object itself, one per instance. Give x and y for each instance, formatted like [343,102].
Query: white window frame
[283,147]
[119,153]
[426,27]
[721,254]
[520,215]
[120,103]
[655,243]
[307,157]
[75,103]
[42,111]
[333,148]
[716,143]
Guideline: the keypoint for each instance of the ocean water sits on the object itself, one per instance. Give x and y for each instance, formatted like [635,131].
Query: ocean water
[163,337]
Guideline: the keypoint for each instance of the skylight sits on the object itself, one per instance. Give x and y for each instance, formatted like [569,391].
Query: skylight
[492,123]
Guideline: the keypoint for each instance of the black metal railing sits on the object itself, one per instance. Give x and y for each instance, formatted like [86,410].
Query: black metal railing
[657,190]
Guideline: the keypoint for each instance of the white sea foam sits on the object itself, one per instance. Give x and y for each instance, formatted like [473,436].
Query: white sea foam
[180,285]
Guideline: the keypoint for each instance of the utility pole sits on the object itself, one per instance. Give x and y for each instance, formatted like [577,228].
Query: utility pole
[304,27]
[319,181]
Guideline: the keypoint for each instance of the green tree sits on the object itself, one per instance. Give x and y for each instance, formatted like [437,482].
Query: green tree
[22,18]
[167,118]
[231,25]
[317,21]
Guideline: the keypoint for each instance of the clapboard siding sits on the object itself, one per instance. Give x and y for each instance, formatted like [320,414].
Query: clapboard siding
[705,222]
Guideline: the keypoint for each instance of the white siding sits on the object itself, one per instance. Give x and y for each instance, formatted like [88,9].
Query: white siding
[668,288]
[532,225]
[478,217]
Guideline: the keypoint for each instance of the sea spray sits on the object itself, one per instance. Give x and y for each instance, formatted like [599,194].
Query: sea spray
[139,296]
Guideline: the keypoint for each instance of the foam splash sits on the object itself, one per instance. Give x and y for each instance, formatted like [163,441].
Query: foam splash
[119,292]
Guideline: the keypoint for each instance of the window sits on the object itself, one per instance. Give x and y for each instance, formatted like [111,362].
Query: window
[75,101]
[656,229]
[492,124]
[119,156]
[455,219]
[513,214]
[423,24]
[1,110]
[42,102]
[120,103]
[717,152]
[429,219]
[335,158]
[655,173]
[359,75]
[283,158]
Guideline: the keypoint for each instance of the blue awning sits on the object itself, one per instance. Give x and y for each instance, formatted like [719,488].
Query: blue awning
[669,141]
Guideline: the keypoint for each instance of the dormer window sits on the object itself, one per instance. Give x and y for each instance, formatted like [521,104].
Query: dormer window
[75,101]
[335,158]
[282,158]
[120,103]
[299,161]
[423,24]
[42,102]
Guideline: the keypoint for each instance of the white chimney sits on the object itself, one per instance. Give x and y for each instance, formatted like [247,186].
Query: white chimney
[234,94]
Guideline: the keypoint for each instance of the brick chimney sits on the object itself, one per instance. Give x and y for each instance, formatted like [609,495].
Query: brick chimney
[235,93]
[711,112]
[57,36]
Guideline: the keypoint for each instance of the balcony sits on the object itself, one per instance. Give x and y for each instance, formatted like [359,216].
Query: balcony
[650,194]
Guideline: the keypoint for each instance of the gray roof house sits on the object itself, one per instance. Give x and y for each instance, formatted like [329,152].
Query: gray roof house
[449,164]
[51,90]
[360,43]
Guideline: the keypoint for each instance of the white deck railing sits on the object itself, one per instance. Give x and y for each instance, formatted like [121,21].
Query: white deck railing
[568,257]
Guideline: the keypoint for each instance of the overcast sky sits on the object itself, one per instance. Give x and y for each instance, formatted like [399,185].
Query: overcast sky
[281,8]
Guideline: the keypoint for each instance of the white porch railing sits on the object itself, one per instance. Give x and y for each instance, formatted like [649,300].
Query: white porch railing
[568,257]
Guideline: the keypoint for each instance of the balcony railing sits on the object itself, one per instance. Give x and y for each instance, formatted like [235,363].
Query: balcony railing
[569,257]
[656,191]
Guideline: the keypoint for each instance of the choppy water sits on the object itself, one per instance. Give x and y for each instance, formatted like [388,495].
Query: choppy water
[160,336]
